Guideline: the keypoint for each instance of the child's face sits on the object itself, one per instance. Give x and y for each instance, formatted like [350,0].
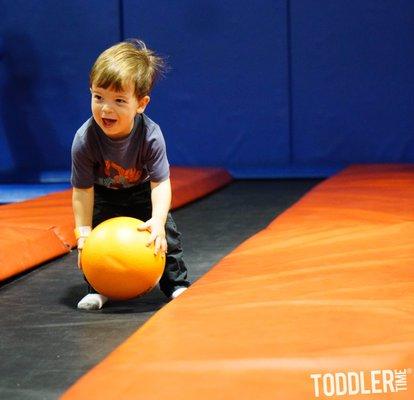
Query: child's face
[115,111]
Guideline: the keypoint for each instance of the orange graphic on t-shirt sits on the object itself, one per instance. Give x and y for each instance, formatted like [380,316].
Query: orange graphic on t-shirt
[130,175]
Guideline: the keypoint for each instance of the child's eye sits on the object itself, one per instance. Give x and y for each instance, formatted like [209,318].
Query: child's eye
[120,101]
[97,97]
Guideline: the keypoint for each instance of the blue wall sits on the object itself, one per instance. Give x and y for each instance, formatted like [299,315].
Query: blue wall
[264,88]
[46,50]
[225,100]
[352,68]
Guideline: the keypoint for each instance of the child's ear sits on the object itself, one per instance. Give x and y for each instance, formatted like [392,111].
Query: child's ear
[142,104]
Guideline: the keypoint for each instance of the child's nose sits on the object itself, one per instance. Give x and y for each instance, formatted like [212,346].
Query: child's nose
[106,107]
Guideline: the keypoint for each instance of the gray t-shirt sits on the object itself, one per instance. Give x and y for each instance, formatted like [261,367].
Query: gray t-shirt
[98,159]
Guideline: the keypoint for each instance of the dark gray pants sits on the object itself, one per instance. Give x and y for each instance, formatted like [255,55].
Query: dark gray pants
[136,202]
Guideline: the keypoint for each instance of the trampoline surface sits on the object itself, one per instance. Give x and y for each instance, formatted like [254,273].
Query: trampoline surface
[47,344]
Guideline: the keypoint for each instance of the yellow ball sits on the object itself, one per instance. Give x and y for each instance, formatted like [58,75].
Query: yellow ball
[116,261]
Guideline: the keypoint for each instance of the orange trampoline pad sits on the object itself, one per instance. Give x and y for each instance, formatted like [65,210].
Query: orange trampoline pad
[326,289]
[40,229]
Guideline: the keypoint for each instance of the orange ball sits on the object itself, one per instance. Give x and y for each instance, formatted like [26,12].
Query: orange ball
[116,261]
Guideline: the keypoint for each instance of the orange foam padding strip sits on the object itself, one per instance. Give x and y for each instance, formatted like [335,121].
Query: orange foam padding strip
[189,184]
[37,230]
[49,212]
[22,248]
[326,288]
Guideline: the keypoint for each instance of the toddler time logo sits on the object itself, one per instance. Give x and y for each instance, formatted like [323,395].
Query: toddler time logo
[360,382]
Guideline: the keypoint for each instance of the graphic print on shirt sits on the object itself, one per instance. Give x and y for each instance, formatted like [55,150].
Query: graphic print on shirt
[117,177]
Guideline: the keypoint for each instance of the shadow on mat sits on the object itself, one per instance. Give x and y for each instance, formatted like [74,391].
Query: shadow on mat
[149,302]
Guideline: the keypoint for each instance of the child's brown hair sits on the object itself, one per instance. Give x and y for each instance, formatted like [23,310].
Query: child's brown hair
[127,62]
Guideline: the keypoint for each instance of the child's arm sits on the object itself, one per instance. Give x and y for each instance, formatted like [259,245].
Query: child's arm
[161,202]
[82,203]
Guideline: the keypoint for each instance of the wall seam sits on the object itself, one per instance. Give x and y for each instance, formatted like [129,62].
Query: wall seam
[289,79]
[121,20]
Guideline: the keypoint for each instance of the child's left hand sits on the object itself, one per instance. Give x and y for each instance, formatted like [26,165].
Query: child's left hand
[157,230]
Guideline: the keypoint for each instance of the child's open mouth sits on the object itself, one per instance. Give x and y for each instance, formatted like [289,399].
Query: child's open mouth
[108,122]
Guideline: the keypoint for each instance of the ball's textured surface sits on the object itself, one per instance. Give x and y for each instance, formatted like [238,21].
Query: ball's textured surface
[116,261]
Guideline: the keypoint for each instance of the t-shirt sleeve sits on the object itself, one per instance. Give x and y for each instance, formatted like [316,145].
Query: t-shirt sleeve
[82,175]
[157,164]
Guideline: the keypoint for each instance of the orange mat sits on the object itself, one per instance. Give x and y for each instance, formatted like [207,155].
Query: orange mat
[37,230]
[317,305]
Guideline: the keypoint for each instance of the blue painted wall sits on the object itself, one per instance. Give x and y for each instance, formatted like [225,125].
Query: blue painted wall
[264,88]
[352,66]
[46,50]
[225,100]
